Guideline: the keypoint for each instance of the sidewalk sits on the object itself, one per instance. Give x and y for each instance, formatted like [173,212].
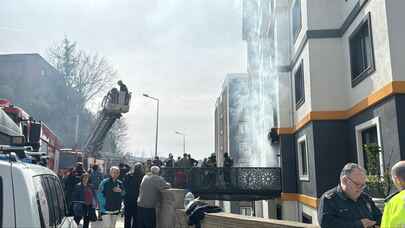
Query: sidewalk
[120,224]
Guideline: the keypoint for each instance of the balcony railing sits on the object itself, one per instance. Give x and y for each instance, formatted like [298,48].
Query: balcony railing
[237,183]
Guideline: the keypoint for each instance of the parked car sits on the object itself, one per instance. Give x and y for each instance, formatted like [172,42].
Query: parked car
[30,195]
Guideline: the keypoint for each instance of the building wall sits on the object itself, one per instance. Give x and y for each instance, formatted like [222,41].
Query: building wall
[396,35]
[331,144]
[383,73]
[332,10]
[288,163]
[349,6]
[289,210]
[400,107]
[327,60]
[327,75]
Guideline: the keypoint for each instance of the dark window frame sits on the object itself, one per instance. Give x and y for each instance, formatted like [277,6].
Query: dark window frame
[299,101]
[356,79]
[296,20]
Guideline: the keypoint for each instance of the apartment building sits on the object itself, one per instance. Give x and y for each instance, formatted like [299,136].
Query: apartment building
[341,86]
[230,122]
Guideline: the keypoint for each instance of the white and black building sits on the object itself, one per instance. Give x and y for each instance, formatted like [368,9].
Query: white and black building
[341,85]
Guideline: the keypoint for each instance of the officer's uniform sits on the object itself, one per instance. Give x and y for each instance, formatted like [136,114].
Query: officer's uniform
[336,210]
[394,211]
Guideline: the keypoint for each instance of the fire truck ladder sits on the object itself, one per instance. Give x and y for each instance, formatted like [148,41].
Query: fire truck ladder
[113,106]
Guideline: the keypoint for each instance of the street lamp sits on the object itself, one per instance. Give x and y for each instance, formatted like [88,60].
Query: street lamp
[184,140]
[157,120]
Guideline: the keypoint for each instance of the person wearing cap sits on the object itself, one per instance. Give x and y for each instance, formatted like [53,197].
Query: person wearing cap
[394,210]
[132,182]
[149,196]
[347,205]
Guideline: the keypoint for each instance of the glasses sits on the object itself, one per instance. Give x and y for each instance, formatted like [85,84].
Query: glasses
[359,186]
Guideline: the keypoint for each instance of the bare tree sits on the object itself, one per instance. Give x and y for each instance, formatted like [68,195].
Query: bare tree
[89,75]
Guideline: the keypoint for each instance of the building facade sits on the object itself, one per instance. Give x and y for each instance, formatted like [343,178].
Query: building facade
[230,122]
[341,86]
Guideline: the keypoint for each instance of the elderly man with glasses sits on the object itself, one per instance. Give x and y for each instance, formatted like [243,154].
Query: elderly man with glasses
[347,205]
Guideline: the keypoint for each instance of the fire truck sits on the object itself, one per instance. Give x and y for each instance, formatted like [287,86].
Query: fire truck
[44,141]
[37,134]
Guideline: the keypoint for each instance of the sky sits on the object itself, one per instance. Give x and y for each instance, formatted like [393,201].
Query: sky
[176,50]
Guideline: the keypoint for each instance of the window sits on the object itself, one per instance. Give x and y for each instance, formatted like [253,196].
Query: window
[303,159]
[247,211]
[368,133]
[361,51]
[299,86]
[369,137]
[50,198]
[306,218]
[296,19]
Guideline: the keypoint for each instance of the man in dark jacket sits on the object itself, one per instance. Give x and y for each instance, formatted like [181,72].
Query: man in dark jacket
[132,183]
[112,191]
[169,163]
[347,205]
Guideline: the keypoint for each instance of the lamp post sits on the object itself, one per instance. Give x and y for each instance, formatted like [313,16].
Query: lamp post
[184,140]
[157,120]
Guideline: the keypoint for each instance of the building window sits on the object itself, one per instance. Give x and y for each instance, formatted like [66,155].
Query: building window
[299,86]
[247,211]
[306,218]
[368,133]
[361,51]
[303,165]
[296,19]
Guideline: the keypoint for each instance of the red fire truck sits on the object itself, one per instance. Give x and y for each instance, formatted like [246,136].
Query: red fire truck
[37,135]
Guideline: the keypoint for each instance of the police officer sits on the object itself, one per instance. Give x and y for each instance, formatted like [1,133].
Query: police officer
[347,205]
[394,210]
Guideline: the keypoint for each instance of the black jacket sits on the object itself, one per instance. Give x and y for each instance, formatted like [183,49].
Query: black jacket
[336,210]
[113,199]
[132,182]
[197,210]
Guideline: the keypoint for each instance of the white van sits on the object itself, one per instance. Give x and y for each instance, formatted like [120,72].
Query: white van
[30,196]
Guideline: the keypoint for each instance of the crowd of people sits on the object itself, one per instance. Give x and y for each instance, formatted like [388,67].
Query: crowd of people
[92,196]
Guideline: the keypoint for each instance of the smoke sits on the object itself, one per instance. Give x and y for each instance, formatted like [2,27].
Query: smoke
[258,31]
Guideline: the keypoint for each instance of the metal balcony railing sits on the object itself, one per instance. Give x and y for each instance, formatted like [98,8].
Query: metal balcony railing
[236,183]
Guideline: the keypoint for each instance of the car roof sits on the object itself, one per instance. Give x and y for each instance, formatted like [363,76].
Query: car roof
[32,169]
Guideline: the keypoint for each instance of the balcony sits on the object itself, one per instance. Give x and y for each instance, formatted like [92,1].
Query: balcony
[237,183]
